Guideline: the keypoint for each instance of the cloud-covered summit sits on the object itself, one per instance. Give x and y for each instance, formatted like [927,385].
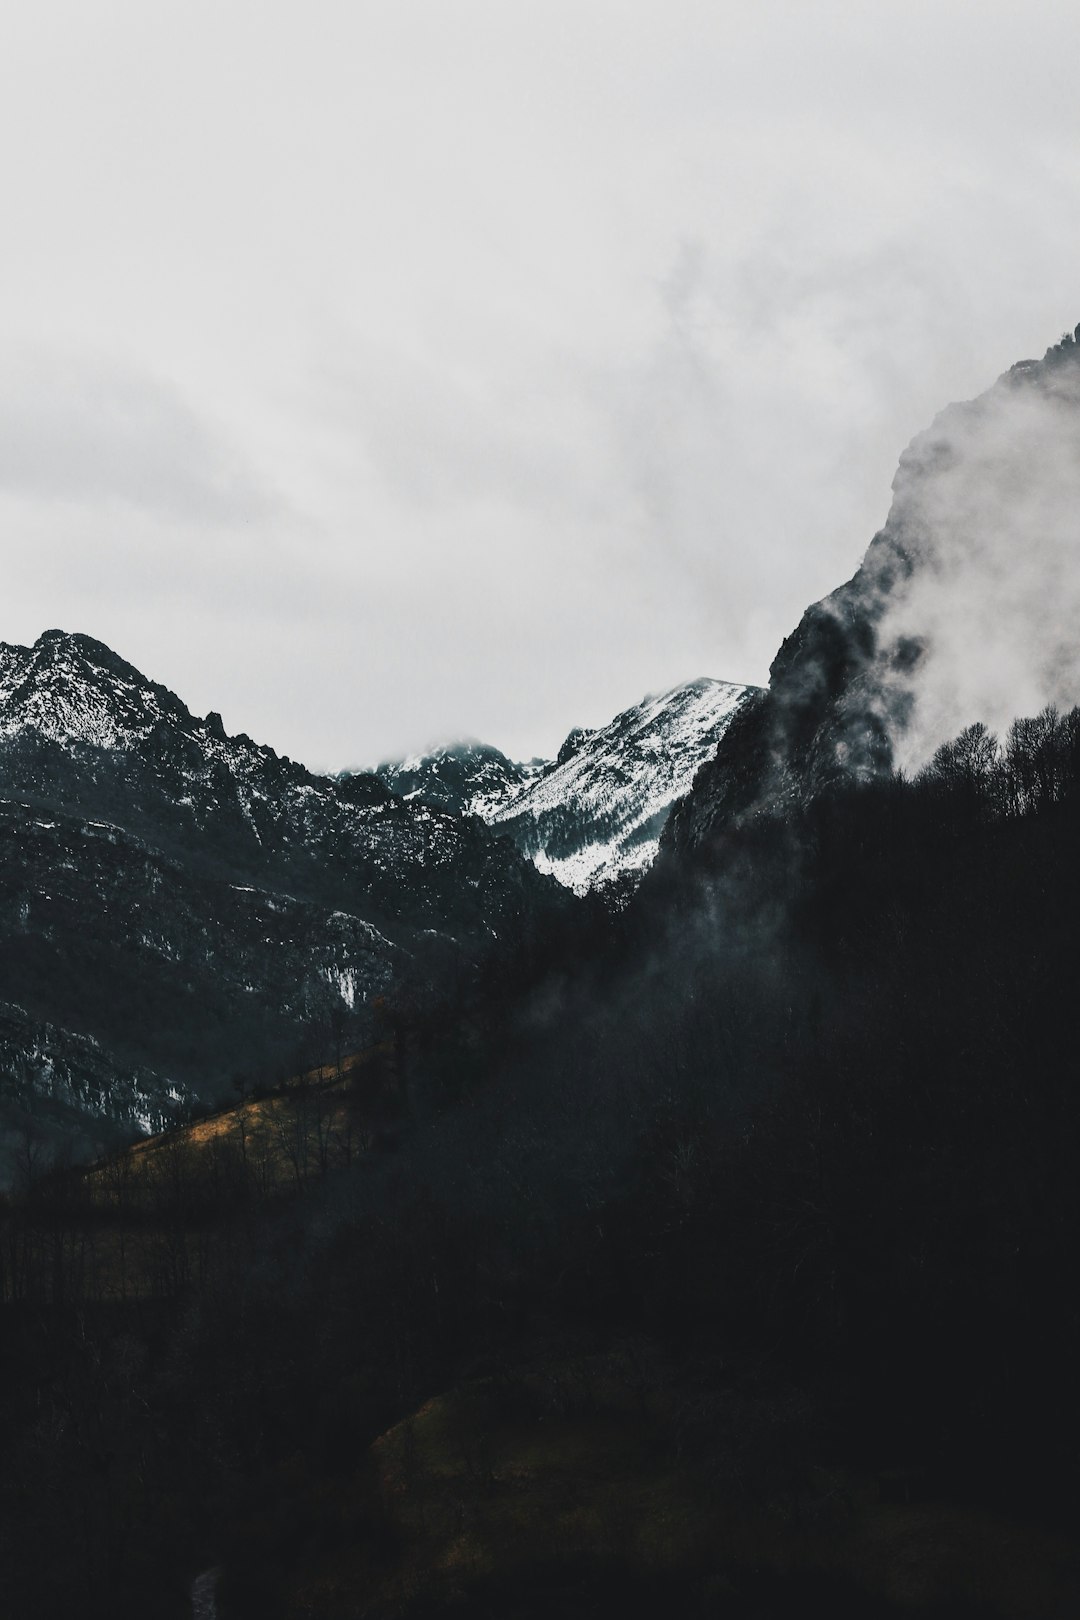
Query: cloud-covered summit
[987,508]
[966,606]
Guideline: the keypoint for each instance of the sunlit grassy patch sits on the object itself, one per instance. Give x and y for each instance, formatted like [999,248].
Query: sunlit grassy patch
[147,1220]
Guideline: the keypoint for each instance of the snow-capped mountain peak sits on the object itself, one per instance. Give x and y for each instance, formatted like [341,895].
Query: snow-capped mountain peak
[69,688]
[598,812]
[465,777]
[595,812]
[206,884]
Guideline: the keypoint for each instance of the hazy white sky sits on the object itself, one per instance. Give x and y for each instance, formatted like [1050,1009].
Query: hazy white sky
[381,372]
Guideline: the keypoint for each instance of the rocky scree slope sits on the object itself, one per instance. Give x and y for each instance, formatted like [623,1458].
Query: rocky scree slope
[961,610]
[177,903]
[593,815]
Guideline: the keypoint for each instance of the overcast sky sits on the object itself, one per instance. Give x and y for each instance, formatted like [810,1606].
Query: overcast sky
[377,373]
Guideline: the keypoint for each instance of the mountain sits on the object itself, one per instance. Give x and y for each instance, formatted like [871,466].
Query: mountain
[177,903]
[465,778]
[597,813]
[964,609]
[593,814]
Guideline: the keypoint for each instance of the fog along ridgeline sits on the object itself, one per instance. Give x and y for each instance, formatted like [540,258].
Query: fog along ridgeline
[719,1260]
[965,608]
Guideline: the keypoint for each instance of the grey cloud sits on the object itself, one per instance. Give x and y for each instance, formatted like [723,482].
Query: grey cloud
[989,498]
[78,428]
[512,433]
[636,320]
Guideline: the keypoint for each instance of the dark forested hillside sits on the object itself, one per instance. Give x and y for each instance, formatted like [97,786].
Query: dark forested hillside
[756,1238]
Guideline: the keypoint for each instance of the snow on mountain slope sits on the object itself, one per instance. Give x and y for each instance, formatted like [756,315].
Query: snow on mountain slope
[72,689]
[465,778]
[594,813]
[69,695]
[81,728]
[189,902]
[598,812]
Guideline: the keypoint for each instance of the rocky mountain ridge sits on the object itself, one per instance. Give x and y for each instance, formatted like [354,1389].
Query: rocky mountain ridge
[593,815]
[465,778]
[180,903]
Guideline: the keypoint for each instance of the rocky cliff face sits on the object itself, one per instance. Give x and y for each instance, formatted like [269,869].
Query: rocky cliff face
[177,904]
[593,815]
[964,608]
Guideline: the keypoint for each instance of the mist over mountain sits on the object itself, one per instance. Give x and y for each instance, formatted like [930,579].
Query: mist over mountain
[964,609]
